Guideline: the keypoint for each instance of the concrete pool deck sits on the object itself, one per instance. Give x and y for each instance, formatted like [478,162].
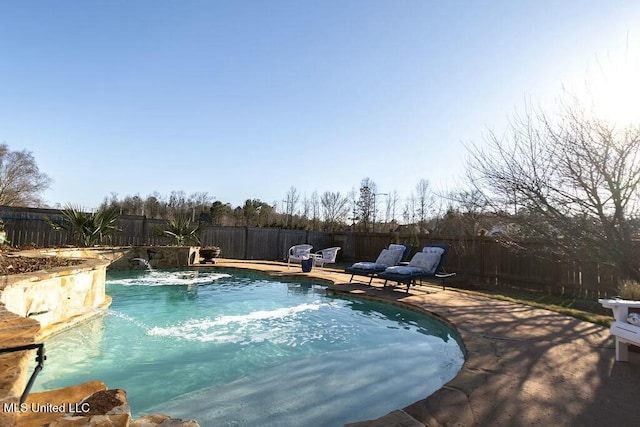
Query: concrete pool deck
[525,366]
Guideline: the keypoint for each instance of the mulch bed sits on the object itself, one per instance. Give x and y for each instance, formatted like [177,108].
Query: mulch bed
[11,264]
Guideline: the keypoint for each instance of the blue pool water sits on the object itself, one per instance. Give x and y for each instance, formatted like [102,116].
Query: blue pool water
[238,348]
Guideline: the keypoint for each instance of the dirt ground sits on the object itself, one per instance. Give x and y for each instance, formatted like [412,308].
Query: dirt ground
[12,264]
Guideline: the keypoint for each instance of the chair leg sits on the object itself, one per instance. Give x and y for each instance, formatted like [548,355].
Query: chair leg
[622,351]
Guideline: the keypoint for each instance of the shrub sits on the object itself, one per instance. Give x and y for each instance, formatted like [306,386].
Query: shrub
[629,289]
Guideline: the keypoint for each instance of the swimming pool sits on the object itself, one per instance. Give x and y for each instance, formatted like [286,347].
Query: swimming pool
[228,347]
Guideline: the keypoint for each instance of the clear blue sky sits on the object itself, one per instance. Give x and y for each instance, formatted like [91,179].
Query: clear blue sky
[244,99]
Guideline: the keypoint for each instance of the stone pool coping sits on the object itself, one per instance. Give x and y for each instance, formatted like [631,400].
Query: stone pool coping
[524,365]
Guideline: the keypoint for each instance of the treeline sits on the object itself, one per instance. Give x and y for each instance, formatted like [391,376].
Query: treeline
[203,208]
[364,210]
[198,206]
[329,212]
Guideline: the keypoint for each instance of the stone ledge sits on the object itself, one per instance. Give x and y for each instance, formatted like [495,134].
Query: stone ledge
[15,331]
[64,396]
[87,404]
[397,418]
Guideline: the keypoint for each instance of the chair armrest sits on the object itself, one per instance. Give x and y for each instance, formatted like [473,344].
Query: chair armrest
[620,307]
[610,303]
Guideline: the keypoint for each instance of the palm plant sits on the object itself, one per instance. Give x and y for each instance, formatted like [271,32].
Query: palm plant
[182,229]
[90,228]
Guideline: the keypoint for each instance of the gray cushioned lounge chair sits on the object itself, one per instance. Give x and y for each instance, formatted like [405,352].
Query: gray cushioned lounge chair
[427,264]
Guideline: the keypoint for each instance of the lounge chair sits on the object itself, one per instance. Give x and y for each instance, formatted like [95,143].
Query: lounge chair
[387,258]
[626,328]
[298,253]
[424,265]
[325,256]
[407,252]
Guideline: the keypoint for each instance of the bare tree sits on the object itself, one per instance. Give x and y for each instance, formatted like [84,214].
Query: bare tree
[291,199]
[462,215]
[177,203]
[21,182]
[423,203]
[200,200]
[198,204]
[132,205]
[409,209]
[572,177]
[365,203]
[392,205]
[335,208]
[111,201]
[353,207]
[315,210]
[306,210]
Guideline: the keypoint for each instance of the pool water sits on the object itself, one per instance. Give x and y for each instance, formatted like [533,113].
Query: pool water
[228,347]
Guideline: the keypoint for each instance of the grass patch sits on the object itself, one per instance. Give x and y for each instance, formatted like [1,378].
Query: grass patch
[589,310]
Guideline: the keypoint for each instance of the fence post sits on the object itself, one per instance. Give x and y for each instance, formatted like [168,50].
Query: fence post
[556,272]
[145,232]
[246,242]
[482,259]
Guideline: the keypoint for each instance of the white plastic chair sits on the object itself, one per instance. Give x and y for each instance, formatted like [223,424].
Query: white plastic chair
[297,253]
[325,256]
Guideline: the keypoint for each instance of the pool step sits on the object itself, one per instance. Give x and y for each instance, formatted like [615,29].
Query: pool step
[15,331]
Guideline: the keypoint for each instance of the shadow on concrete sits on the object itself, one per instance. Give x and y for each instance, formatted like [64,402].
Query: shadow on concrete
[525,366]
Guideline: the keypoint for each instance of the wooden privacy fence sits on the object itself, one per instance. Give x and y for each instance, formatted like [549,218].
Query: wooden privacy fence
[486,261]
[476,259]
[31,227]
[261,243]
